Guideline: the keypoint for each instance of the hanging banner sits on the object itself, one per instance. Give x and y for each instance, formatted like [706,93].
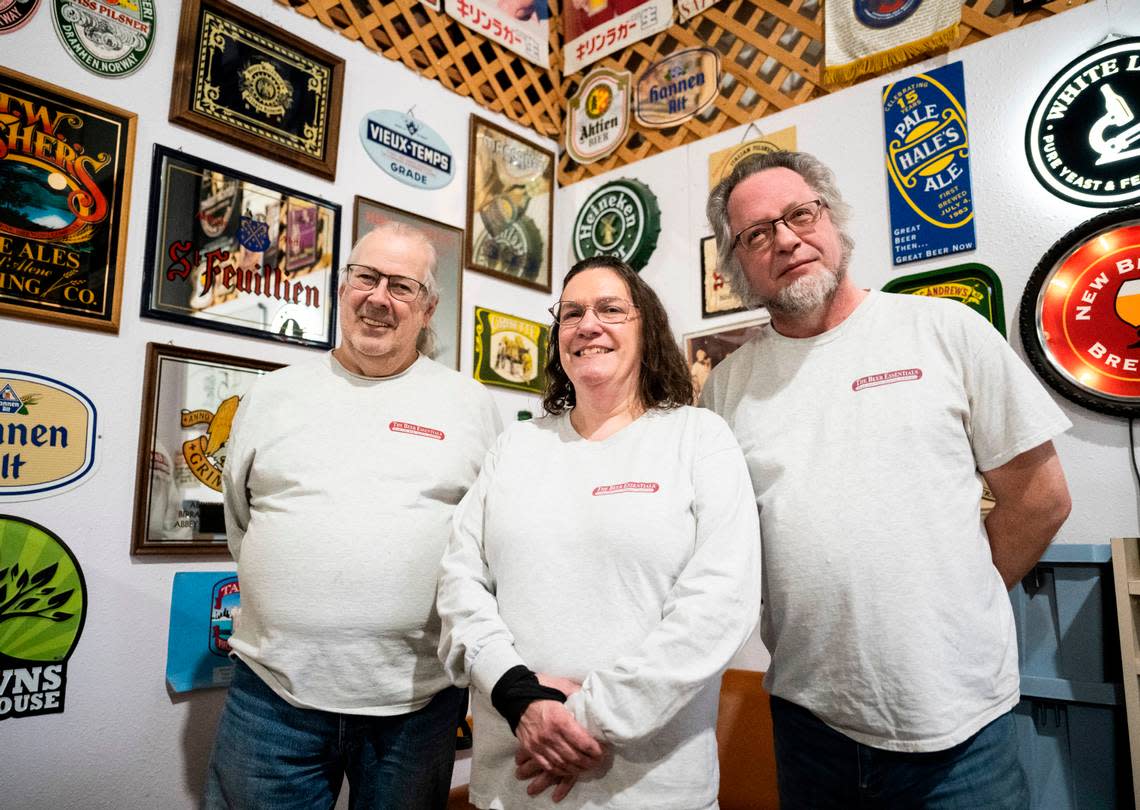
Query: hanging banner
[677,88]
[928,159]
[1080,314]
[203,608]
[723,162]
[592,29]
[598,115]
[520,26]
[1083,135]
[42,612]
[47,436]
[870,36]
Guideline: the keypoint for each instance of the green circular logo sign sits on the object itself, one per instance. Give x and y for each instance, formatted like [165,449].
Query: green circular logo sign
[108,37]
[43,604]
[619,219]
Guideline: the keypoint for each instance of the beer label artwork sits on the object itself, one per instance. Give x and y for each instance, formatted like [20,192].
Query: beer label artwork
[43,604]
[1080,314]
[226,251]
[592,29]
[509,351]
[14,14]
[619,219]
[65,166]
[108,37]
[1083,135]
[190,404]
[928,159]
[598,115]
[975,285]
[47,436]
[203,607]
[520,26]
[677,88]
[407,149]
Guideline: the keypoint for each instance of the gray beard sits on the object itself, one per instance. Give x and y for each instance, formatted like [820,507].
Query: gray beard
[808,294]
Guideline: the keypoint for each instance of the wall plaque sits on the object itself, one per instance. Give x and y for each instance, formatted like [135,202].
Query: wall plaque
[108,38]
[510,352]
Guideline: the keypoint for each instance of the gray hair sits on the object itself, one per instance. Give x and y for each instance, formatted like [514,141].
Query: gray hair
[390,228]
[819,178]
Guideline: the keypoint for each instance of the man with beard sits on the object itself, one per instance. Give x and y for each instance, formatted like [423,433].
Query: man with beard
[866,419]
[339,486]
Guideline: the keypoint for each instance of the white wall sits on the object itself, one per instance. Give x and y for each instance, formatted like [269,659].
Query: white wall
[123,740]
[1017,220]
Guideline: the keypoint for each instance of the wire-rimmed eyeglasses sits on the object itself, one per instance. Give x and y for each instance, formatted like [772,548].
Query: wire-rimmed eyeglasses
[801,218]
[364,278]
[606,310]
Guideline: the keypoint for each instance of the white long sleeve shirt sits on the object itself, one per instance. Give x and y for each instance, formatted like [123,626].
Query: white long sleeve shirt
[630,564]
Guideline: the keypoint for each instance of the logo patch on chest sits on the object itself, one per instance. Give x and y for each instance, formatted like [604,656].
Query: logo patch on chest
[415,430]
[628,486]
[887,378]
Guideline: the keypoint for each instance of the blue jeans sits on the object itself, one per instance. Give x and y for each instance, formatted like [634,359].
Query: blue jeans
[270,754]
[820,769]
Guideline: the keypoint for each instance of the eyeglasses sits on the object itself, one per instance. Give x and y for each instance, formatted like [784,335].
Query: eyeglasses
[607,310]
[364,278]
[800,219]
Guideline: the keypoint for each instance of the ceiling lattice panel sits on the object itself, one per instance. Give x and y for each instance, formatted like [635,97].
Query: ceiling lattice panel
[771,53]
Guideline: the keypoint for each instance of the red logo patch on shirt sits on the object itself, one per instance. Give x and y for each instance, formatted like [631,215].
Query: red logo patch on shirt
[628,486]
[887,378]
[415,430]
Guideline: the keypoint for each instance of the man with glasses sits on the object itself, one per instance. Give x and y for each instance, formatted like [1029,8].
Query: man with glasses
[866,419]
[340,482]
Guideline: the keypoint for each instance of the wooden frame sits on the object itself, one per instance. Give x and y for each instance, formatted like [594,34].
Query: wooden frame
[229,251]
[717,295]
[190,398]
[286,105]
[717,344]
[510,206]
[63,223]
[448,242]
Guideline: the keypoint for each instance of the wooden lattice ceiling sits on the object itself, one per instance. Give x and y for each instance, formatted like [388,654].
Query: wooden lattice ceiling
[771,52]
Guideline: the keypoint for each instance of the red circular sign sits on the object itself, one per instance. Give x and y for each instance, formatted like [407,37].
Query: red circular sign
[1080,314]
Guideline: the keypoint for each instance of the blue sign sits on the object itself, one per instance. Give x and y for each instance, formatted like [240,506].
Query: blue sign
[928,159]
[202,611]
[407,149]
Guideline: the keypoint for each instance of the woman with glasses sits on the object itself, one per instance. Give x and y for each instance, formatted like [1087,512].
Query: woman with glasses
[602,571]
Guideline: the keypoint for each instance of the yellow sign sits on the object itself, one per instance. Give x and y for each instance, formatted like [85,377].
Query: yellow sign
[47,436]
[724,161]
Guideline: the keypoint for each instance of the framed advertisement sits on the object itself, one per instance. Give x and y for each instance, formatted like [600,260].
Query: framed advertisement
[510,206]
[65,171]
[717,295]
[254,85]
[190,399]
[705,350]
[236,253]
[510,352]
[448,242]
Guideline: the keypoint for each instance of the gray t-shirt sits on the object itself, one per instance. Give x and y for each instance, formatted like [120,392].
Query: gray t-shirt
[883,611]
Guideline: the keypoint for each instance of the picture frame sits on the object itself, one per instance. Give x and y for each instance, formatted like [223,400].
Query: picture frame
[510,206]
[717,295]
[510,352]
[705,350]
[190,398]
[448,242]
[63,223]
[234,253]
[251,84]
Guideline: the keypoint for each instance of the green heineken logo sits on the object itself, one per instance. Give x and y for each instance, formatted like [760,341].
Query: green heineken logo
[108,37]
[619,219]
[43,603]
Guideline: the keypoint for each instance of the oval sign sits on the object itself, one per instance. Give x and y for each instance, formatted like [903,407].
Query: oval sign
[14,14]
[677,88]
[1080,314]
[407,149]
[47,436]
[108,37]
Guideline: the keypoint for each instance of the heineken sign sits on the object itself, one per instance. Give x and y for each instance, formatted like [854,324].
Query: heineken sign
[620,219]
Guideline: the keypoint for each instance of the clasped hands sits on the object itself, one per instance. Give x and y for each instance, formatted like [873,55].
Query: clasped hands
[554,748]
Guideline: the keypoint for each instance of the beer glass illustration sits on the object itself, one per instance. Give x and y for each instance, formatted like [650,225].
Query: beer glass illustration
[1128,306]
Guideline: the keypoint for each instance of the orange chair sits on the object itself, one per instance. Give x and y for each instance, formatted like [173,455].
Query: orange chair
[744,737]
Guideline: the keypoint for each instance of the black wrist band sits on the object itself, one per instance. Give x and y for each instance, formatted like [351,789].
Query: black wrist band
[517,689]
